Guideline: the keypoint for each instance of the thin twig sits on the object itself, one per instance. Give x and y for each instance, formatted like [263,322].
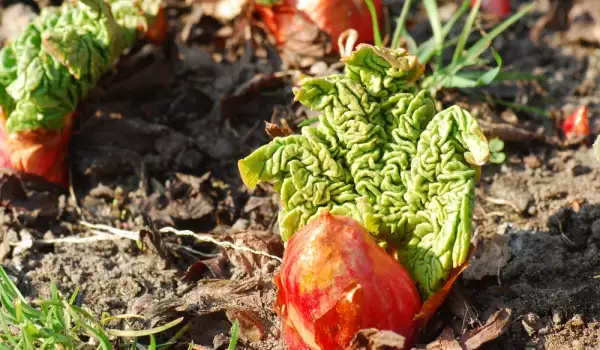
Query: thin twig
[109,229]
[100,229]
[72,192]
[500,201]
[72,239]
[206,238]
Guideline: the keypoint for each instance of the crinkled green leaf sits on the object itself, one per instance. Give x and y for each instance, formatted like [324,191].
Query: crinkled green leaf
[60,56]
[383,156]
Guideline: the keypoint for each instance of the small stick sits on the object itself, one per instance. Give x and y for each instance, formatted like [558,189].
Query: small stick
[100,229]
[207,238]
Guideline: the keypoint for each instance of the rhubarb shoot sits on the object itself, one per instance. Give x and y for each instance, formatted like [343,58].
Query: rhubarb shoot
[53,64]
[382,156]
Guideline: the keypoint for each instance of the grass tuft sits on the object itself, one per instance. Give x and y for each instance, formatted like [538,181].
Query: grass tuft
[57,323]
[453,74]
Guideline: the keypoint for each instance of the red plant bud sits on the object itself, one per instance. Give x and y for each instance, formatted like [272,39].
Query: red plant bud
[576,124]
[498,8]
[41,152]
[336,280]
[331,16]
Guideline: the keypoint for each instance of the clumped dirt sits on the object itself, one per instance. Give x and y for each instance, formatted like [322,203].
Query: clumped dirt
[157,145]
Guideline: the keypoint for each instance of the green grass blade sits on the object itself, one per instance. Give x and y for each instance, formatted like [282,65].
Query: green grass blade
[74,296]
[134,344]
[411,44]
[152,343]
[400,24]
[375,20]
[102,338]
[427,49]
[504,76]
[234,335]
[8,283]
[454,80]
[489,76]
[5,329]
[464,35]
[483,43]
[433,14]
[145,332]
[308,122]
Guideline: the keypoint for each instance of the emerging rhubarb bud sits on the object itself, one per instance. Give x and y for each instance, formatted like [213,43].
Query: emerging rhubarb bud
[336,280]
[51,66]
[382,156]
[333,17]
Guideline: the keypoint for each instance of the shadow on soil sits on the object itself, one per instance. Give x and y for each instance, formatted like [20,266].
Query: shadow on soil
[551,274]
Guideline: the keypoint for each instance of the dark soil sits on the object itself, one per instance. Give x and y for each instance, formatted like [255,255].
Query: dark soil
[157,145]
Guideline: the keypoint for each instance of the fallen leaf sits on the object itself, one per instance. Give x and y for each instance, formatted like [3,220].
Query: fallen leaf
[251,330]
[30,195]
[258,241]
[445,341]
[474,339]
[374,339]
[275,130]
[491,256]
[216,266]
[492,329]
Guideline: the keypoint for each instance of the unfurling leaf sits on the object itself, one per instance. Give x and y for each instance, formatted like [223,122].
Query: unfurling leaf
[382,156]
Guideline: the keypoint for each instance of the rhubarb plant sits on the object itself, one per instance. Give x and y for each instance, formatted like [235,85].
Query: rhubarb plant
[382,155]
[51,66]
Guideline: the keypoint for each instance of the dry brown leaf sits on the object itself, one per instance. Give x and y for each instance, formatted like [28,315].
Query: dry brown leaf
[374,339]
[472,340]
[261,241]
[445,341]
[275,130]
[495,254]
[196,271]
[493,328]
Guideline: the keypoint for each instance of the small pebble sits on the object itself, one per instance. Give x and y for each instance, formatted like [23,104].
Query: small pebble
[532,161]
[576,321]
[558,317]
[580,170]
[531,323]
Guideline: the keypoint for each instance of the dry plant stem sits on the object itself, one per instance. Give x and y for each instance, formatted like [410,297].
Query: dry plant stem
[109,233]
[100,229]
[206,238]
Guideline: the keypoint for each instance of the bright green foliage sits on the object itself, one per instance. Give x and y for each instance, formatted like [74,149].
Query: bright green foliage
[60,56]
[497,156]
[57,323]
[381,155]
